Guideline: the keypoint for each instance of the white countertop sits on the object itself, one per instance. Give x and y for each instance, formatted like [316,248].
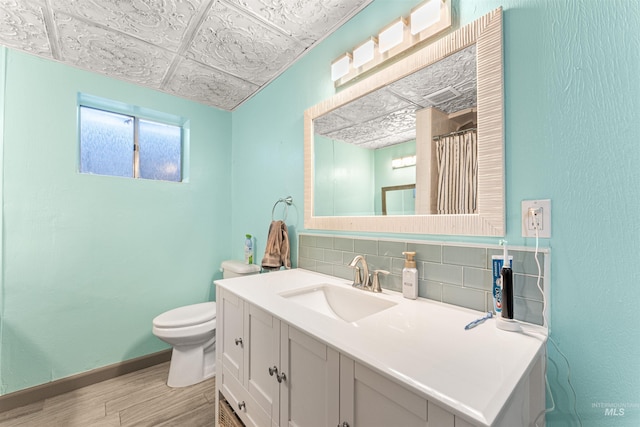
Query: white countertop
[421,344]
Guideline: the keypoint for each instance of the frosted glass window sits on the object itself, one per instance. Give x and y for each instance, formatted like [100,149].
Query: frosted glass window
[160,147]
[124,145]
[106,143]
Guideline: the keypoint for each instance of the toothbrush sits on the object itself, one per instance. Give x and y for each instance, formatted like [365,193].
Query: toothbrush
[507,286]
[478,321]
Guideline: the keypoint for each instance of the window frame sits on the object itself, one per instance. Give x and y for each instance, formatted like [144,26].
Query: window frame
[136,113]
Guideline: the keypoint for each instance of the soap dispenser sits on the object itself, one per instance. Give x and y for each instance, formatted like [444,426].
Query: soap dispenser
[409,276]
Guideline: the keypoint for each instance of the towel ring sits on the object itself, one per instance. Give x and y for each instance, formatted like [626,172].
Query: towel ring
[287,201]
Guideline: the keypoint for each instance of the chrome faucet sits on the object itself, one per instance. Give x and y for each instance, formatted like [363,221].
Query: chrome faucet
[361,276]
[362,279]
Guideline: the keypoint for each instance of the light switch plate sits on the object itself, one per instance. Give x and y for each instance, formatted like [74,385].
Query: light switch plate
[543,218]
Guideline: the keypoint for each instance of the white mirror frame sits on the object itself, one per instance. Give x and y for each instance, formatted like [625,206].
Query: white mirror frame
[486,33]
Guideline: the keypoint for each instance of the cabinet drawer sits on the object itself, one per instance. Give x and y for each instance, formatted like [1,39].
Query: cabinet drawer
[251,414]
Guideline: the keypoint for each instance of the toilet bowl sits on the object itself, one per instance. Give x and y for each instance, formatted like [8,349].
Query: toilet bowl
[191,330]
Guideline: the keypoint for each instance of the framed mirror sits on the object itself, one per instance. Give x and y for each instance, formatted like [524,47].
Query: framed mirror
[451,89]
[399,200]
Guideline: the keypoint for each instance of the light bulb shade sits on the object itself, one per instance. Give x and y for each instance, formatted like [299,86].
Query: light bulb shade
[391,36]
[364,53]
[340,67]
[425,16]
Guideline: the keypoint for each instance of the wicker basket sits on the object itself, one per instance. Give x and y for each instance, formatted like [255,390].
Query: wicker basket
[228,418]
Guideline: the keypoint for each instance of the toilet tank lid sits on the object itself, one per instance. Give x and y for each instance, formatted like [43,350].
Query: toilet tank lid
[240,267]
[188,315]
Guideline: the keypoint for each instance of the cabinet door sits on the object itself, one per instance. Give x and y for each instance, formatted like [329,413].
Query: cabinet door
[367,399]
[230,334]
[262,353]
[309,397]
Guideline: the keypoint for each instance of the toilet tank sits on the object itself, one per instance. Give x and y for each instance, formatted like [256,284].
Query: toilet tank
[234,268]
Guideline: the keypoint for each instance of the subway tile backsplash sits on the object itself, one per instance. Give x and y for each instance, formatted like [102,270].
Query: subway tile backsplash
[452,273]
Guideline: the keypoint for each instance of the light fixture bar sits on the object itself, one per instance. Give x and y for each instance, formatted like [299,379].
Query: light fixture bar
[403,34]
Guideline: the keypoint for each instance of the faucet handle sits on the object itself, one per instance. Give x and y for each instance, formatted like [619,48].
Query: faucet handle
[375,287]
[357,280]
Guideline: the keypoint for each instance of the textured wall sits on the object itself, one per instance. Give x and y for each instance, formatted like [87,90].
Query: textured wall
[572,106]
[89,260]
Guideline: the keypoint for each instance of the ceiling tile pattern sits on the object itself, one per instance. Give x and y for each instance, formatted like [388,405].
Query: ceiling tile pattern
[162,23]
[242,46]
[111,53]
[304,20]
[216,52]
[200,83]
[23,27]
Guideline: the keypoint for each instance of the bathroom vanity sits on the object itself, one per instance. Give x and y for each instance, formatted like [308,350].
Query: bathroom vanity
[301,348]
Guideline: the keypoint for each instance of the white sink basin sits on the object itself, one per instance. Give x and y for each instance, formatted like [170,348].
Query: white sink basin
[339,302]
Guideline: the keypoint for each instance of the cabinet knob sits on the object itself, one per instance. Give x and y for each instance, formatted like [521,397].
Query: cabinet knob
[238,341]
[281,377]
[241,405]
[273,370]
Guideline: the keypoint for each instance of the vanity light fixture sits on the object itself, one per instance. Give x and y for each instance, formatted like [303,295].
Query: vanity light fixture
[402,34]
[392,35]
[340,67]
[425,15]
[365,52]
[430,18]
[403,162]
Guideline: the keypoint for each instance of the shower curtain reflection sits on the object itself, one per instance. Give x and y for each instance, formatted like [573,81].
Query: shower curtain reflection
[457,159]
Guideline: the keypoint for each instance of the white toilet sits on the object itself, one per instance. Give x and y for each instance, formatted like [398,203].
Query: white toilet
[191,330]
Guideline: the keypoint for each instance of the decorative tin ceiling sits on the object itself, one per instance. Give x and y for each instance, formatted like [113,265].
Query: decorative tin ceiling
[216,52]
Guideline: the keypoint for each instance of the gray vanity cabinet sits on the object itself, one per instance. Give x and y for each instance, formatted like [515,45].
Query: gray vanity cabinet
[237,378]
[273,374]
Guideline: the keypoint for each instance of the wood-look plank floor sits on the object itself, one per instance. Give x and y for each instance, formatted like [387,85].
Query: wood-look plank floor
[137,399]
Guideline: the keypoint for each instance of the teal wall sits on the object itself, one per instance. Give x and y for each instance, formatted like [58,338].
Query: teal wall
[88,260]
[572,109]
[344,178]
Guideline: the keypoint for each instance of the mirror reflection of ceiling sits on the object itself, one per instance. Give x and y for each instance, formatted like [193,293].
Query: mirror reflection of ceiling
[388,116]
[216,52]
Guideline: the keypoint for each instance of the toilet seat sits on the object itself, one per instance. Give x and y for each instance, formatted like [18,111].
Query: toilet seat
[186,333]
[190,315]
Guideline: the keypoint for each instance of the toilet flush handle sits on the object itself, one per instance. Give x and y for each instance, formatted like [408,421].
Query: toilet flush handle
[238,341]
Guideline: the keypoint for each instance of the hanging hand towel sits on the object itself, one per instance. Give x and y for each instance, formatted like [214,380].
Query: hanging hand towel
[277,252]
